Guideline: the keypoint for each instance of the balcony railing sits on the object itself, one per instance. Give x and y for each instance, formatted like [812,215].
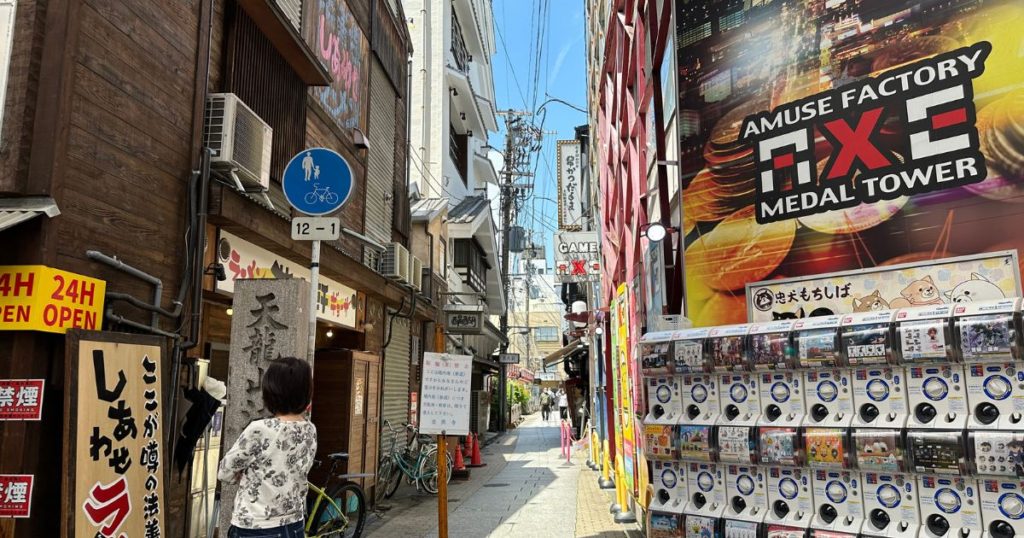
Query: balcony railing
[459,51]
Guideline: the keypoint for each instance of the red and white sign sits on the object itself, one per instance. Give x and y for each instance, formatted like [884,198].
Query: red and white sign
[16,495]
[577,257]
[21,399]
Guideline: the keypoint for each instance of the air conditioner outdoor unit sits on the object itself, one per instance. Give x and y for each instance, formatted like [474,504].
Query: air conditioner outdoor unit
[396,262]
[241,141]
[416,273]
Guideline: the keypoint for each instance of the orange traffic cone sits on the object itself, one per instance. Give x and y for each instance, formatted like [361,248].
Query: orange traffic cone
[469,446]
[459,470]
[476,461]
[460,464]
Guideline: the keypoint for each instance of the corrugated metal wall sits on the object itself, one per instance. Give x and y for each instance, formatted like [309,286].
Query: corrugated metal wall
[293,10]
[264,81]
[381,168]
[395,406]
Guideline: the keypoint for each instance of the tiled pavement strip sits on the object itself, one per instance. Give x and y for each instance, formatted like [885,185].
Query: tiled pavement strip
[526,489]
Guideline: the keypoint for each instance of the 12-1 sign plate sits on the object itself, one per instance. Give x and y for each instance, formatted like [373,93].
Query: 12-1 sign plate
[316,228]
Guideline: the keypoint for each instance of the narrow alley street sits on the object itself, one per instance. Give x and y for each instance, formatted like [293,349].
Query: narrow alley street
[526,489]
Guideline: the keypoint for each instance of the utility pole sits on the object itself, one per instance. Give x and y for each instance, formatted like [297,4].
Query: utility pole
[520,139]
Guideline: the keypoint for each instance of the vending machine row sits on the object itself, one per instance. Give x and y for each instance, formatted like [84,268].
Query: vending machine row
[896,424]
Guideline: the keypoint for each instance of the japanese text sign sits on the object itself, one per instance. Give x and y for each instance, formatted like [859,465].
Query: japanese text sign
[334,35]
[40,298]
[577,257]
[445,394]
[16,495]
[570,199]
[270,321]
[461,319]
[115,459]
[983,277]
[21,399]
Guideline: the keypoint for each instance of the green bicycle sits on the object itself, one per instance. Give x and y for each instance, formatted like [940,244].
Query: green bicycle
[417,461]
[338,509]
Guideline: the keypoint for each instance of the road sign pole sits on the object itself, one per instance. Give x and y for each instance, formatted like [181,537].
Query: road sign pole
[314,295]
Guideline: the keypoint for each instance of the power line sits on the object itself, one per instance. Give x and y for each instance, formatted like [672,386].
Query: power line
[427,175]
[510,65]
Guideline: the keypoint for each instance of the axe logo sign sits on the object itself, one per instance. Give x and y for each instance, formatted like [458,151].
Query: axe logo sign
[905,131]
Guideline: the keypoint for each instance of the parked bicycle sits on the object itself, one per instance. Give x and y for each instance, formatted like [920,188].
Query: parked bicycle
[416,460]
[337,508]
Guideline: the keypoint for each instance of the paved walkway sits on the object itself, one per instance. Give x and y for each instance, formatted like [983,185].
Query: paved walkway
[526,489]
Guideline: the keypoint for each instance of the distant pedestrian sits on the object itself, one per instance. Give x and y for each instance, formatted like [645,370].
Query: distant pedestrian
[272,457]
[563,404]
[545,404]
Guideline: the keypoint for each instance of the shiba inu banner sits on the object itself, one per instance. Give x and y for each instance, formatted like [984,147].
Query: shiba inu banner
[825,136]
[965,279]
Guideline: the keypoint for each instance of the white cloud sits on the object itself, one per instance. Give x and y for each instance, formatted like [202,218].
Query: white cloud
[560,59]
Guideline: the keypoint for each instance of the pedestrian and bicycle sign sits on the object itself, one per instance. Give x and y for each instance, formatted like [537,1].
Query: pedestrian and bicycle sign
[317,181]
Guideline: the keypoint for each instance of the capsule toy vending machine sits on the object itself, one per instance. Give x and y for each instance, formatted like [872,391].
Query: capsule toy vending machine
[988,338]
[890,492]
[740,393]
[705,486]
[705,483]
[828,390]
[664,399]
[698,386]
[745,482]
[936,387]
[948,498]
[790,495]
[879,386]
[772,358]
[998,461]
[839,505]
[668,472]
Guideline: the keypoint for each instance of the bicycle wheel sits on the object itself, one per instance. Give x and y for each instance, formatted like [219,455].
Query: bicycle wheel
[428,472]
[342,519]
[385,468]
[393,480]
[310,198]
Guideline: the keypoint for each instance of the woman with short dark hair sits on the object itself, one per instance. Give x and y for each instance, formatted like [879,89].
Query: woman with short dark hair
[271,458]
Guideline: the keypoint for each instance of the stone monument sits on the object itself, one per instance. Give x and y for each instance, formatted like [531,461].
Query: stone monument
[271,320]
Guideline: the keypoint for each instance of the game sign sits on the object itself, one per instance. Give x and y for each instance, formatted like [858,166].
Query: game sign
[832,137]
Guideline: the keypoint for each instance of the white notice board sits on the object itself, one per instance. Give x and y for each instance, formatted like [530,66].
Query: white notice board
[445,394]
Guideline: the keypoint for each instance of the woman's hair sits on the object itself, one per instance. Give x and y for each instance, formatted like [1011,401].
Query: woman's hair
[287,386]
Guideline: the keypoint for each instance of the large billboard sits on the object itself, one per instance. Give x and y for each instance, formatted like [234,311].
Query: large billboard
[821,136]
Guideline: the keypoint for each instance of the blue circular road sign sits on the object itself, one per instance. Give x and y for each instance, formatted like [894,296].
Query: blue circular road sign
[317,181]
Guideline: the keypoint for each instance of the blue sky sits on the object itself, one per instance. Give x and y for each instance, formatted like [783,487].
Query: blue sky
[561,74]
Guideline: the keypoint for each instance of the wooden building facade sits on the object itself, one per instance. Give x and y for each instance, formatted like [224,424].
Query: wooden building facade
[104,114]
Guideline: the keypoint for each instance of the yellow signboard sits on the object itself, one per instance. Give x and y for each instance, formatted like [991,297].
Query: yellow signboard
[41,298]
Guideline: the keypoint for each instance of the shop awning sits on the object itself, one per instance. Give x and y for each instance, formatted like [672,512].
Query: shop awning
[559,355]
[14,211]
